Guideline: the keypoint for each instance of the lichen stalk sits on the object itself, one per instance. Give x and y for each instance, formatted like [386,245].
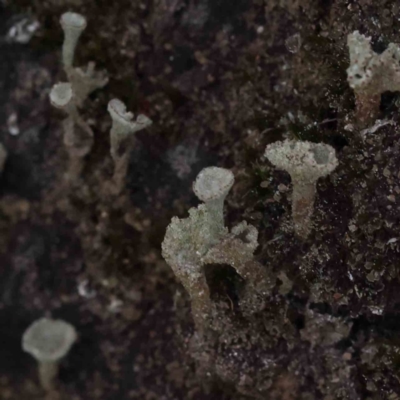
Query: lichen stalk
[68,49]
[85,81]
[78,140]
[78,136]
[121,165]
[72,34]
[303,198]
[200,302]
[367,108]
[121,140]
[118,135]
[120,155]
[186,241]
[48,371]
[212,185]
[237,250]
[306,162]
[216,210]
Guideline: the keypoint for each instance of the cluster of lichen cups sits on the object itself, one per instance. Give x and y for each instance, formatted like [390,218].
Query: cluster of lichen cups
[202,238]
[70,96]
[49,340]
[189,243]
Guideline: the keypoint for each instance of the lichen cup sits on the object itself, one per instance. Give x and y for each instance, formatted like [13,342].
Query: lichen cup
[48,341]
[306,162]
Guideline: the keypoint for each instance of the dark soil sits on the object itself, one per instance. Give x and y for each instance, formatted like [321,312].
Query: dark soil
[220,79]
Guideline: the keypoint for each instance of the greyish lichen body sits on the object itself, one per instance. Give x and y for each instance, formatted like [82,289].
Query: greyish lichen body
[306,162]
[202,239]
[121,139]
[69,96]
[370,74]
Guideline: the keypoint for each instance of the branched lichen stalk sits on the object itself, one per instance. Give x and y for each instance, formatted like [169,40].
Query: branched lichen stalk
[83,80]
[78,136]
[202,238]
[236,249]
[186,241]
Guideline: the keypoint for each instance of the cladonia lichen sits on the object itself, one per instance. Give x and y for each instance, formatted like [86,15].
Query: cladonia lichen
[212,186]
[186,242]
[49,341]
[69,96]
[121,138]
[370,74]
[306,162]
[83,80]
[202,238]
[73,25]
[78,136]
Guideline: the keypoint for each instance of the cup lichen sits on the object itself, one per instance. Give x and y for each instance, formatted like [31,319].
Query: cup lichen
[202,238]
[83,81]
[73,25]
[211,186]
[78,136]
[69,96]
[306,162]
[48,341]
[370,74]
[121,138]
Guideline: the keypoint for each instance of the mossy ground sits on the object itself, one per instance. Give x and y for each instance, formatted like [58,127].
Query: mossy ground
[219,83]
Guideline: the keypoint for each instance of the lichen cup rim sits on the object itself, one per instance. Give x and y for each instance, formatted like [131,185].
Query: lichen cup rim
[303,160]
[212,183]
[61,94]
[73,20]
[49,340]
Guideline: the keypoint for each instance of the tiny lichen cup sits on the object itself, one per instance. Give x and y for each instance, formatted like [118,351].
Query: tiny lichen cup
[123,125]
[73,25]
[48,341]
[61,96]
[211,186]
[306,162]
